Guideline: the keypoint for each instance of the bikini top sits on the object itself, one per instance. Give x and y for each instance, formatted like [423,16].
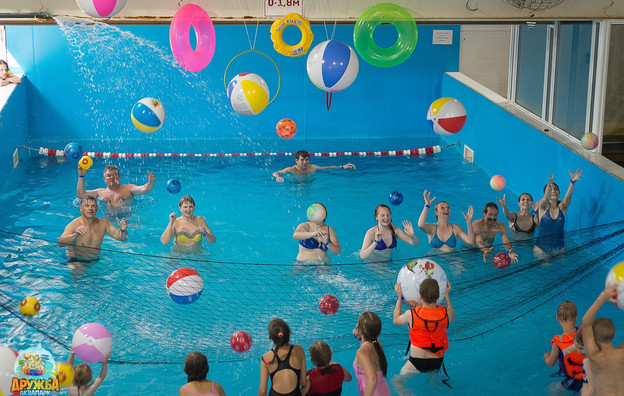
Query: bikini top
[514,225]
[183,237]
[313,243]
[437,243]
[381,245]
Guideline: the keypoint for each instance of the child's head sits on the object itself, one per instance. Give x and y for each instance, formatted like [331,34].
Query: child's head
[604,330]
[82,374]
[196,366]
[429,291]
[279,332]
[578,341]
[369,328]
[566,312]
[320,354]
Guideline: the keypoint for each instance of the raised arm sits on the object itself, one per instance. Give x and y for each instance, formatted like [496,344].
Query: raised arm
[169,232]
[80,188]
[278,175]
[447,301]
[70,358]
[608,294]
[467,237]
[543,203]
[399,318]
[503,204]
[407,234]
[370,241]
[98,381]
[428,228]
[121,233]
[574,177]
[145,188]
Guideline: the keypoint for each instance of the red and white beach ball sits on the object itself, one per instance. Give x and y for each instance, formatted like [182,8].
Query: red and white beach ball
[240,341]
[101,8]
[448,116]
[91,342]
[329,305]
[185,285]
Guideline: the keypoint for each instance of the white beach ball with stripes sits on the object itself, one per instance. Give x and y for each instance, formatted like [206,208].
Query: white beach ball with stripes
[185,285]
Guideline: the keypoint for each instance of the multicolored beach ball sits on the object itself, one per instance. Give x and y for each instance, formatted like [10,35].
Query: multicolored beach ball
[148,115]
[332,66]
[101,8]
[91,342]
[185,285]
[248,94]
[448,116]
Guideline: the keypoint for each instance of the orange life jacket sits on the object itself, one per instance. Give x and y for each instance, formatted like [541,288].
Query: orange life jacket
[428,330]
[570,360]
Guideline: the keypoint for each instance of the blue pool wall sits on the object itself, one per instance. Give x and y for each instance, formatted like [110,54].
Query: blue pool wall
[13,126]
[504,144]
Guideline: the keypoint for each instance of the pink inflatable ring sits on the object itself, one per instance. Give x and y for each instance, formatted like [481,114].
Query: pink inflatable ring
[195,16]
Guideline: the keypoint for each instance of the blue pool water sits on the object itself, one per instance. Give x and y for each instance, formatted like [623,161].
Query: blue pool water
[250,277]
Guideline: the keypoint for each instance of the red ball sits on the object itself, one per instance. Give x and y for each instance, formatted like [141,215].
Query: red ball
[502,260]
[329,305]
[240,341]
[286,128]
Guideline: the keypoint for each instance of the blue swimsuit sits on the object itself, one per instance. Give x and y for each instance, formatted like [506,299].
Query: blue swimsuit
[437,243]
[381,245]
[550,238]
[312,243]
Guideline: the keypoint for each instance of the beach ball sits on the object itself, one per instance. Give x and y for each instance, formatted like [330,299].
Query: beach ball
[286,128]
[501,260]
[101,8]
[92,342]
[589,141]
[395,198]
[448,116]
[248,94]
[413,273]
[85,162]
[30,306]
[497,182]
[240,341]
[616,276]
[7,362]
[185,285]
[73,151]
[148,115]
[332,66]
[174,186]
[316,213]
[329,305]
[64,373]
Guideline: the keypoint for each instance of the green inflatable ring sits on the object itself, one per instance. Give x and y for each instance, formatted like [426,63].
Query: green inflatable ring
[366,24]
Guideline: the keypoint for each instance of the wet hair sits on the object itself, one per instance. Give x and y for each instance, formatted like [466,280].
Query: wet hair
[554,184]
[525,193]
[320,354]
[88,198]
[604,330]
[3,62]
[186,198]
[390,225]
[436,207]
[111,168]
[301,154]
[82,375]
[490,205]
[429,291]
[369,326]
[196,366]
[566,311]
[279,333]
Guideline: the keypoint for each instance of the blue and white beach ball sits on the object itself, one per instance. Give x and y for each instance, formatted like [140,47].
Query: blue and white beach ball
[101,8]
[185,285]
[332,66]
[148,115]
[248,94]
[73,151]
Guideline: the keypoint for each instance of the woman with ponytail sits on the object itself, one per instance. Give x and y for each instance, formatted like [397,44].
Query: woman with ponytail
[285,364]
[370,363]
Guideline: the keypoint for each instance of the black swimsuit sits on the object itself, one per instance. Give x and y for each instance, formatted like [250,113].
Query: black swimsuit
[514,226]
[285,365]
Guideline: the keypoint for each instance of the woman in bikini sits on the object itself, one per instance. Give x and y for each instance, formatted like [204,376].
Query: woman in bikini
[189,229]
[196,369]
[443,235]
[382,238]
[524,222]
[315,237]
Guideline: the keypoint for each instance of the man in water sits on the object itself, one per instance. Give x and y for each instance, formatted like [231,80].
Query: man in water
[303,167]
[115,194]
[84,235]
[485,231]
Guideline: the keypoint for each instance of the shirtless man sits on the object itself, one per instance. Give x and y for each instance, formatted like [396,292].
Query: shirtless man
[606,361]
[84,235]
[485,230]
[303,167]
[115,194]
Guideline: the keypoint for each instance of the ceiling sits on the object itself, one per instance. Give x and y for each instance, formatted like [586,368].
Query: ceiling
[423,11]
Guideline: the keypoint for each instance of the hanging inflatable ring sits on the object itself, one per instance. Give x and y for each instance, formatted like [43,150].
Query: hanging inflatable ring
[406,28]
[279,76]
[277,30]
[195,16]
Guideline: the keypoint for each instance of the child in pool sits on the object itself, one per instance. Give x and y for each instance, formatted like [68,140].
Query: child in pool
[588,384]
[370,363]
[196,368]
[82,376]
[327,378]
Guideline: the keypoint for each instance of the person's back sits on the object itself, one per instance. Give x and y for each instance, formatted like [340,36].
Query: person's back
[327,378]
[196,368]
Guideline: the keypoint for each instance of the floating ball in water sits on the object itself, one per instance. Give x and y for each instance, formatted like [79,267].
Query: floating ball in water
[316,213]
[497,182]
[73,151]
[448,116]
[240,341]
[174,186]
[395,198]
[248,94]
[589,141]
[148,115]
[85,162]
[64,373]
[30,306]
[616,276]
[101,8]
[501,260]
[92,342]
[413,273]
[286,128]
[329,305]
[184,285]
[332,66]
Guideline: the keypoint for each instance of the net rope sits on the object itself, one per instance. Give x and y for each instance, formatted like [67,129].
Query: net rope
[534,5]
[127,291]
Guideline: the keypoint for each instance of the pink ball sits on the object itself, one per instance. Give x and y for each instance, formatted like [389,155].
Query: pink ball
[497,182]
[589,141]
[92,342]
[240,341]
[502,260]
[101,8]
[329,305]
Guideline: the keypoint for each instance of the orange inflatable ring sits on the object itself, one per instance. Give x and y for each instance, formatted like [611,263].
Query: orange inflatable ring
[277,30]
